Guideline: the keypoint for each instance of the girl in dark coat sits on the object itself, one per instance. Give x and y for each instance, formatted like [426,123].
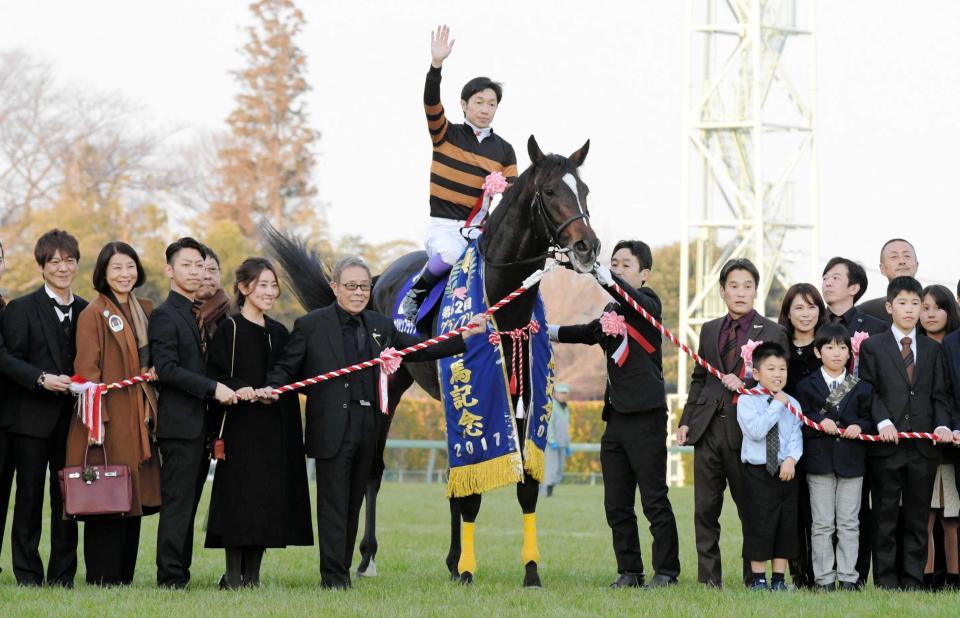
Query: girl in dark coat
[260,497]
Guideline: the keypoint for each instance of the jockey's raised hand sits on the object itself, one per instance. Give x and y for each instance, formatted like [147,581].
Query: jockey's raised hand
[440,45]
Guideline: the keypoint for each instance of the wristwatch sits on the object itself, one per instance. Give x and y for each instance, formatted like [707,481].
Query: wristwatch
[42,379]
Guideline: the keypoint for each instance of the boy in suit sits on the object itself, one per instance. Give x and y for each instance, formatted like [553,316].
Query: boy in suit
[39,329]
[633,450]
[910,394]
[709,416]
[835,466]
[178,346]
[772,446]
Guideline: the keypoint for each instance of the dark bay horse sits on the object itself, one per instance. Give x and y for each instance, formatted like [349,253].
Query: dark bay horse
[544,210]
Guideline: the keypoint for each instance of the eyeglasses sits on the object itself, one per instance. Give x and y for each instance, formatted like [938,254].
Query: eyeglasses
[352,286]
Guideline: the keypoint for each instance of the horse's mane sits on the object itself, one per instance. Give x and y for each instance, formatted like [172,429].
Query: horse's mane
[306,273]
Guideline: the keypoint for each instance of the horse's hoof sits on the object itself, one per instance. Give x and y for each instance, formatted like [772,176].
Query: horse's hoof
[531,578]
[370,571]
[466,578]
[454,576]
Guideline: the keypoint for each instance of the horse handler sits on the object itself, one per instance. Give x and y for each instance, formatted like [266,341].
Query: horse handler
[463,156]
[633,450]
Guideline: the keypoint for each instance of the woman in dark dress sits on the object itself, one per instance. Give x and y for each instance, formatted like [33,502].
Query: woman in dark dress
[802,313]
[260,497]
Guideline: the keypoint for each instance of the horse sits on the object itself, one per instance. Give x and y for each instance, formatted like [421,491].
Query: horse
[543,213]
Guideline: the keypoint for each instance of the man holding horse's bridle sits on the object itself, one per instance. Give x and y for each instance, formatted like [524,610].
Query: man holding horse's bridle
[463,156]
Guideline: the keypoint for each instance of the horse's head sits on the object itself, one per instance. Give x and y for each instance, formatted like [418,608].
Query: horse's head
[560,204]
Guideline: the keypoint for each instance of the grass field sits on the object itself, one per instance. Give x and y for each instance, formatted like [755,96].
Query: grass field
[577,565]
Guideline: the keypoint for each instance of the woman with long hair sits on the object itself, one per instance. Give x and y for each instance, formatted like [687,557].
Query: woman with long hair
[801,314]
[260,497]
[112,345]
[940,316]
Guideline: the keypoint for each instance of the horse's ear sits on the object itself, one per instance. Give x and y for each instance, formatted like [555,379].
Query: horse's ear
[579,156]
[533,149]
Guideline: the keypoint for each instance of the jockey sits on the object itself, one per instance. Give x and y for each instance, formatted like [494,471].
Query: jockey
[463,155]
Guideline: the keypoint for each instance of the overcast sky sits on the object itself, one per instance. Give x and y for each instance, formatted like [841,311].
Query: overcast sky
[888,91]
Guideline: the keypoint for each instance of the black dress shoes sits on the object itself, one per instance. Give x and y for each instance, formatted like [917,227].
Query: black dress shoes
[629,580]
[662,581]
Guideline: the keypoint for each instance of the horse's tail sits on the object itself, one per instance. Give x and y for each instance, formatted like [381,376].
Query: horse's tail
[307,273]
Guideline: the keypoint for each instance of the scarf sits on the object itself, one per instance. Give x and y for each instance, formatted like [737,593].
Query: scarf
[213,309]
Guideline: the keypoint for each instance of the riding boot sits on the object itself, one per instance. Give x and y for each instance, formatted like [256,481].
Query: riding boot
[252,557]
[418,293]
[232,579]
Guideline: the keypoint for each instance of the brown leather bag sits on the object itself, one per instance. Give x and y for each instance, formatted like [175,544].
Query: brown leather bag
[101,490]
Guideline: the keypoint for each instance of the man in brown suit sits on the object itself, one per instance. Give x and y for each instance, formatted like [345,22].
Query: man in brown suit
[709,420]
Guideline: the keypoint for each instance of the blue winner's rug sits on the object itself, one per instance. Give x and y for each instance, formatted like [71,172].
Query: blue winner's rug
[483,446]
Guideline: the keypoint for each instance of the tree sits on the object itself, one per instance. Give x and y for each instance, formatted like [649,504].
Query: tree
[265,165]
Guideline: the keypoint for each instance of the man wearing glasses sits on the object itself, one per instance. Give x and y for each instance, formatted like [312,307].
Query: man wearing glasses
[342,414]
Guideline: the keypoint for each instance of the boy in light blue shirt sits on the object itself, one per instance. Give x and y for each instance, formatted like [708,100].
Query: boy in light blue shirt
[772,446]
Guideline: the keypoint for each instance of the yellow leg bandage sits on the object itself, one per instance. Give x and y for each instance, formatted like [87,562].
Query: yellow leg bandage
[530,553]
[468,561]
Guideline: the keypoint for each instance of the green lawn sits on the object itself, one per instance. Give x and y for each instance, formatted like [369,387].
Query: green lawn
[577,565]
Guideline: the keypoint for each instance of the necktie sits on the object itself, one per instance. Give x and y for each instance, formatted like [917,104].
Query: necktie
[834,385]
[836,319]
[198,316]
[907,353]
[729,352]
[773,448]
[65,310]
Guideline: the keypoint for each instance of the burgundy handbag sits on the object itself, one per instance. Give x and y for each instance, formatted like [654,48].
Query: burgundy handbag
[101,490]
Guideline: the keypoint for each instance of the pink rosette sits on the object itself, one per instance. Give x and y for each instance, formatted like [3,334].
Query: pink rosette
[390,361]
[746,353]
[613,324]
[494,184]
[858,338]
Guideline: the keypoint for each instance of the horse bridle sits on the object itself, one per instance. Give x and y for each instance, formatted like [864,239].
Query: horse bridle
[543,227]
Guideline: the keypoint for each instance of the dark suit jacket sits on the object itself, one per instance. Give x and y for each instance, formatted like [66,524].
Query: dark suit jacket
[922,405]
[707,393]
[638,385]
[316,347]
[877,308]
[826,454]
[181,369]
[33,336]
[951,353]
[13,371]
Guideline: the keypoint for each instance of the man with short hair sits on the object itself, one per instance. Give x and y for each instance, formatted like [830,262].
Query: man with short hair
[463,156]
[709,420]
[40,330]
[215,301]
[341,427]
[897,259]
[844,283]
[178,344]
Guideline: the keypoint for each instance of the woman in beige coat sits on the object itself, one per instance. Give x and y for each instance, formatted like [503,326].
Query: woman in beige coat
[112,345]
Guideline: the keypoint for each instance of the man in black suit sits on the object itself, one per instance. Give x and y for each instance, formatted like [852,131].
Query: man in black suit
[709,420]
[844,283]
[908,375]
[40,330]
[897,259]
[341,423]
[633,450]
[178,346]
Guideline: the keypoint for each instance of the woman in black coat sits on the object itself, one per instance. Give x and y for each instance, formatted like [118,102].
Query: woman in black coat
[260,497]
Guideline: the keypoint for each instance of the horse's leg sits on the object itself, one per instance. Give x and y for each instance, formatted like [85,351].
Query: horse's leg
[468,507]
[527,493]
[368,544]
[453,555]
[399,382]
